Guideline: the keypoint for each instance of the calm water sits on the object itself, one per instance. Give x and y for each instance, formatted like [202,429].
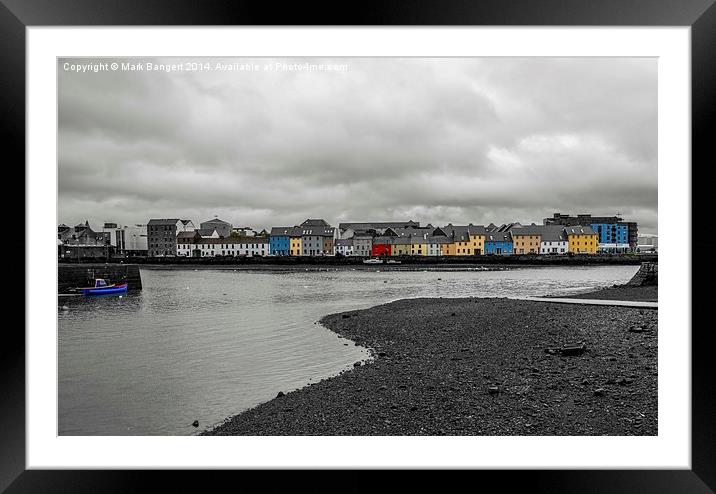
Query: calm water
[205,344]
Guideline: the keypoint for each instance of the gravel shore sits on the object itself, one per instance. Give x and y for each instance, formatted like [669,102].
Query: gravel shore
[478,367]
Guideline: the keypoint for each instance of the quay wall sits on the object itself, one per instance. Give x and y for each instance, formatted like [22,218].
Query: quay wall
[287,261]
[648,275]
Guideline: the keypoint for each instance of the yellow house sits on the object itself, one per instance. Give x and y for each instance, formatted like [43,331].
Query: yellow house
[467,240]
[418,246]
[463,245]
[581,240]
[477,239]
[401,247]
[295,246]
[447,249]
[526,239]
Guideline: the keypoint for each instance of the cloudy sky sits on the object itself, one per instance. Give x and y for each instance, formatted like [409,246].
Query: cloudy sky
[461,140]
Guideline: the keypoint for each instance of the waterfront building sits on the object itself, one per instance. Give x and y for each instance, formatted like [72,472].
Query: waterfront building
[83,234]
[362,244]
[498,243]
[553,240]
[247,246]
[648,243]
[114,234]
[587,219]
[419,244]
[527,239]
[382,246]
[477,239]
[344,246]
[224,247]
[128,240]
[82,241]
[132,240]
[208,233]
[613,237]
[441,241]
[222,228]
[162,235]
[435,245]
[378,228]
[279,240]
[581,240]
[410,241]
[186,243]
[401,246]
[246,231]
[295,248]
[466,240]
[317,238]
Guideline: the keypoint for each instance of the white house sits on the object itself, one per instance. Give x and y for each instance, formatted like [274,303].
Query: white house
[553,240]
[344,246]
[225,247]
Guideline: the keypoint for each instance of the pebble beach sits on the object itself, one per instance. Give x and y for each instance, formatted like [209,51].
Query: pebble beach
[478,366]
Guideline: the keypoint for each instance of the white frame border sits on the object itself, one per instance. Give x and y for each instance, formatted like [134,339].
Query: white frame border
[670,449]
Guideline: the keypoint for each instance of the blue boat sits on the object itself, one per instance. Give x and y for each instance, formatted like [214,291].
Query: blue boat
[102,288]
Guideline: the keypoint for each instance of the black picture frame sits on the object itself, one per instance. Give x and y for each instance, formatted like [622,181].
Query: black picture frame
[16,15]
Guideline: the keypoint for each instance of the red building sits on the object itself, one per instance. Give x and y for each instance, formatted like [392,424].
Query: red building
[381,250]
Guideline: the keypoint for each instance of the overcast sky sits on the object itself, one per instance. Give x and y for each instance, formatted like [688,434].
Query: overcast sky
[459,140]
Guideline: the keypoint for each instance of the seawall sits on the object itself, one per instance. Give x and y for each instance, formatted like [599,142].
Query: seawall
[648,275]
[71,276]
[526,260]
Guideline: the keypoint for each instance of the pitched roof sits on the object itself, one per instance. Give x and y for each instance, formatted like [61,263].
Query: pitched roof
[553,233]
[508,226]
[461,233]
[579,230]
[233,240]
[498,237]
[384,240]
[413,231]
[372,225]
[215,220]
[528,230]
[284,231]
[319,231]
[439,240]
[315,223]
[163,221]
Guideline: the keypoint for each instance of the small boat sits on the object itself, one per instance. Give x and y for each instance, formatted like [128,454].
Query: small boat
[392,261]
[102,288]
[373,261]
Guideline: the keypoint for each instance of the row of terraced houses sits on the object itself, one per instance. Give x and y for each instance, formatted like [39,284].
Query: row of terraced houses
[561,234]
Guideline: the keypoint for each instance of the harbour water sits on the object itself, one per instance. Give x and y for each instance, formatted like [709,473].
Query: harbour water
[204,344]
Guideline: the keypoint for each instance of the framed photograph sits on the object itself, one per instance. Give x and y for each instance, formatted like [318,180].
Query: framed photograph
[417,238]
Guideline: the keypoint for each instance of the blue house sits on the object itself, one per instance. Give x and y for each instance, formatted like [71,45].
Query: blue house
[613,237]
[279,240]
[498,243]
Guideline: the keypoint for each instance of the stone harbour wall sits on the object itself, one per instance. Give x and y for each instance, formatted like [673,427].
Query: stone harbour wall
[648,275]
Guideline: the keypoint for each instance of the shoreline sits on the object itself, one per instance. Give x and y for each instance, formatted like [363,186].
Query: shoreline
[350,261]
[648,293]
[473,366]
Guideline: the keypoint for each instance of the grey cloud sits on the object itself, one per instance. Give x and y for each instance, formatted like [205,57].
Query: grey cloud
[438,140]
